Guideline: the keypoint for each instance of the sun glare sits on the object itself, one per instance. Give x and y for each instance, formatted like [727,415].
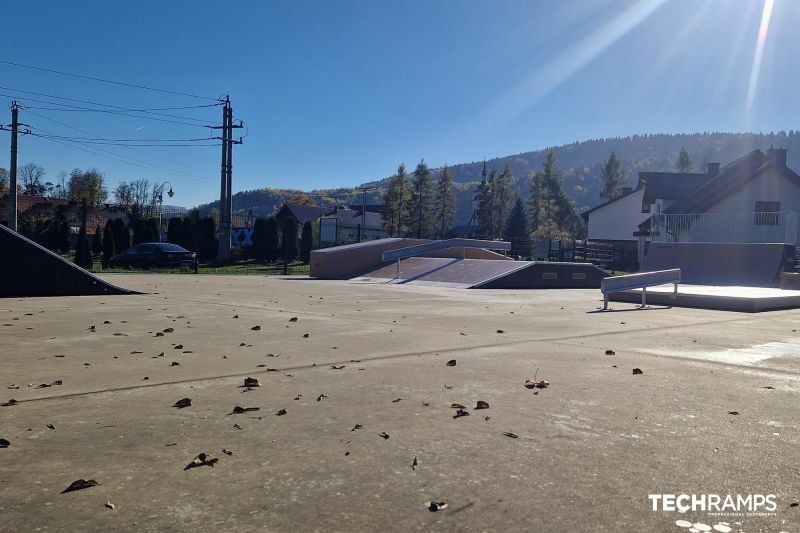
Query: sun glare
[758,56]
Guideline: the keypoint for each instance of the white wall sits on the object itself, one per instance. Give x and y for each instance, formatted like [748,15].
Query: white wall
[769,187]
[618,220]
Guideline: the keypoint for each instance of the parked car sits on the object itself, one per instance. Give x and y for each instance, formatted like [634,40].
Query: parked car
[154,255]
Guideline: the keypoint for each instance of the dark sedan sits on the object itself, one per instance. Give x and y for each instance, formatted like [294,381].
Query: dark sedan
[154,255]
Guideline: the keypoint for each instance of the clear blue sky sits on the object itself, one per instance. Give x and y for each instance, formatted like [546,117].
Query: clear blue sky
[338,93]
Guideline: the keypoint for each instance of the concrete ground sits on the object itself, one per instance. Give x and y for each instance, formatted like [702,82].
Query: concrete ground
[590,447]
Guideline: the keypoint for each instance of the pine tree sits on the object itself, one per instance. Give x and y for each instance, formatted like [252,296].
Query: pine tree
[535,201]
[557,218]
[422,200]
[97,241]
[272,245]
[289,238]
[483,199]
[306,242]
[62,240]
[445,209]
[83,255]
[397,203]
[613,180]
[258,247]
[501,203]
[174,230]
[516,230]
[684,163]
[108,244]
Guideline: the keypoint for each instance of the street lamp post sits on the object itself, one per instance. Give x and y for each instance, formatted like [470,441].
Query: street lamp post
[161,207]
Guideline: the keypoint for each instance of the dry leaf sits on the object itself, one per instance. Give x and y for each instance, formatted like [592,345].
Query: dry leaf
[80,484]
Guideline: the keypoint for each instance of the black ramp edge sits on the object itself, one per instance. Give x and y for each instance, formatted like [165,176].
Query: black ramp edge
[28,269]
[548,275]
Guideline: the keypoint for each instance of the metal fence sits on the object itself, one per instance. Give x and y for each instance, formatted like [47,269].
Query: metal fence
[759,227]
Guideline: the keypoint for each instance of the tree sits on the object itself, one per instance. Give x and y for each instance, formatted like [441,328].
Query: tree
[258,248]
[445,207]
[62,237]
[123,196]
[557,217]
[122,237]
[535,199]
[613,180]
[108,244]
[306,242]
[207,238]
[188,233]
[83,253]
[31,176]
[289,238]
[501,202]
[89,185]
[174,231]
[684,163]
[97,241]
[483,198]
[141,231]
[4,185]
[272,245]
[397,203]
[422,199]
[516,230]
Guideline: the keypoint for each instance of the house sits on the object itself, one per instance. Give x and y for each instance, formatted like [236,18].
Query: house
[754,199]
[337,225]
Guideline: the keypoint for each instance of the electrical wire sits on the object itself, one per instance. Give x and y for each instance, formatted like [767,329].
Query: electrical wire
[116,155]
[115,110]
[93,78]
[132,149]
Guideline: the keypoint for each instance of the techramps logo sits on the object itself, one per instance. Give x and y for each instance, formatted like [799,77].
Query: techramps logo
[724,507]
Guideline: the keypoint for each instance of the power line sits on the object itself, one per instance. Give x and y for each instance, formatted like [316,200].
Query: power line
[83,76]
[123,159]
[115,110]
[115,155]
[63,137]
[170,145]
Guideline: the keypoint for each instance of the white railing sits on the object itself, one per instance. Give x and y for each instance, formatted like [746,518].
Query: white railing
[777,227]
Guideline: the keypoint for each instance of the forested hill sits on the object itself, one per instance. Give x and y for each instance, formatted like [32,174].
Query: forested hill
[580,162]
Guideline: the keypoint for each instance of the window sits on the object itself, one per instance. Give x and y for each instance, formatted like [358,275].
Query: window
[767,213]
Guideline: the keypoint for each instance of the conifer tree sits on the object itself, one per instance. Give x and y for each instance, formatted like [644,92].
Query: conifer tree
[445,209]
[684,163]
[613,180]
[422,201]
[516,230]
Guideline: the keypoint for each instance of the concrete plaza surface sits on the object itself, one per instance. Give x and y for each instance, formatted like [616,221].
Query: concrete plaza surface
[590,447]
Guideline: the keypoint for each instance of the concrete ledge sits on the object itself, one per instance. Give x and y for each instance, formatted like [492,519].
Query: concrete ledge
[729,298]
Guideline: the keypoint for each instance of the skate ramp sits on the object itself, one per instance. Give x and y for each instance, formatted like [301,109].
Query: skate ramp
[28,269]
[358,259]
[487,274]
[741,264]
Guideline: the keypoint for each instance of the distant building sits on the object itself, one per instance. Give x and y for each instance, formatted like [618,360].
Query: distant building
[337,225]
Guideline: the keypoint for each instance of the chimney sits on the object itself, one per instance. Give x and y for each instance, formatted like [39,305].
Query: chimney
[713,169]
[777,156]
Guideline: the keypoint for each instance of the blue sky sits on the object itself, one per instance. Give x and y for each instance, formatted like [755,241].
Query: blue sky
[339,93]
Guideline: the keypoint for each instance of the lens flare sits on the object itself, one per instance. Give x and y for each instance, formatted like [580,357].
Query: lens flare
[763,31]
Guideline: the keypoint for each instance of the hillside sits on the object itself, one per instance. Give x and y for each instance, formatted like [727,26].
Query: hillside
[581,163]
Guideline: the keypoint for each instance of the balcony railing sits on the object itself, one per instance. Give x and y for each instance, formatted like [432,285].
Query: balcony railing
[761,227]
